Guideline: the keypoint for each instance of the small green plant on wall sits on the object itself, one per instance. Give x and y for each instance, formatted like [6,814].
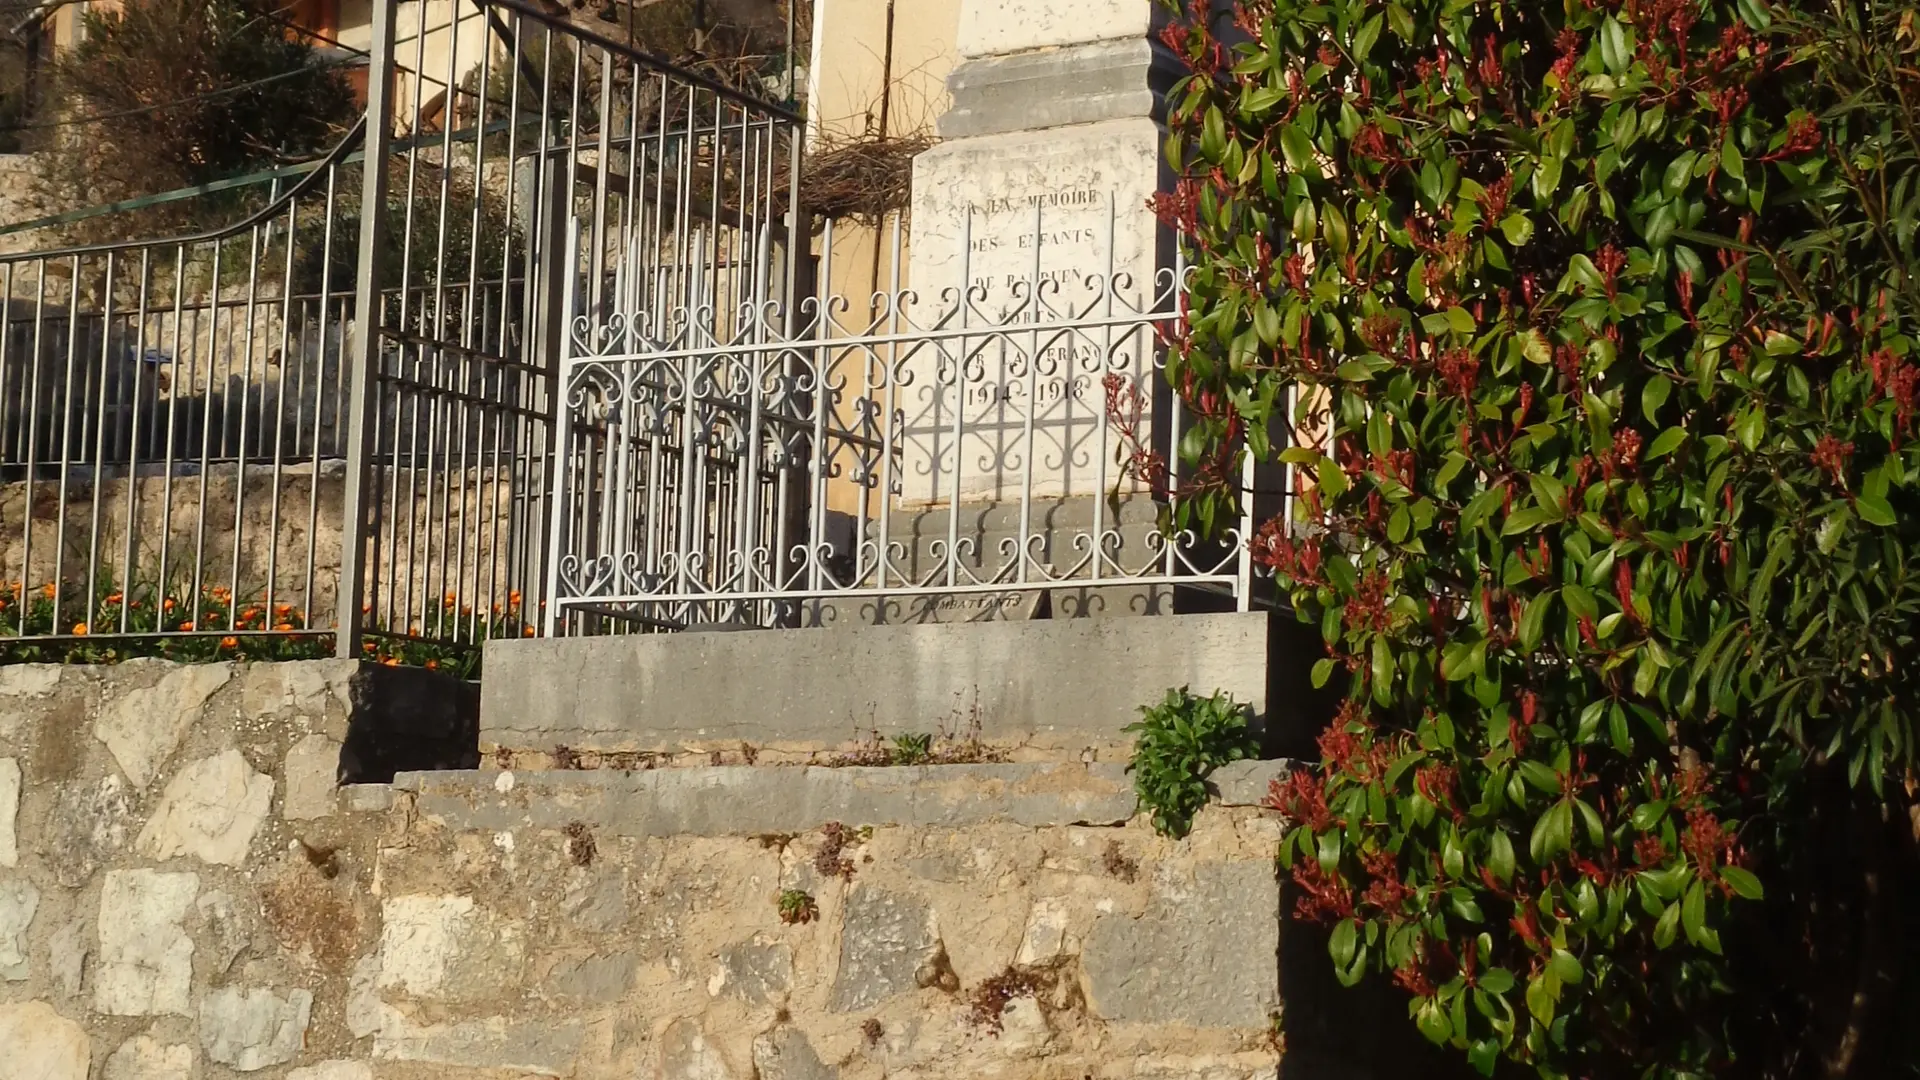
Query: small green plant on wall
[1180,742]
[797,907]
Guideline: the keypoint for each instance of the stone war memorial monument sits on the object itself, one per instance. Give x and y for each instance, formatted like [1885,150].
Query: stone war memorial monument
[1035,247]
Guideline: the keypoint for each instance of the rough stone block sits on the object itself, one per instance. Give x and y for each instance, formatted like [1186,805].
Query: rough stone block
[1205,954]
[687,1054]
[446,947]
[594,978]
[885,937]
[19,900]
[210,810]
[313,775]
[367,798]
[67,956]
[146,957]
[1065,684]
[785,1054]
[37,1042]
[251,1029]
[543,1048]
[334,1070]
[757,971]
[9,811]
[88,825]
[145,1058]
[144,727]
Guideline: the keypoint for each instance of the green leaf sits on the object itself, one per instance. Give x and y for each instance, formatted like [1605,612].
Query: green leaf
[1874,510]
[1322,671]
[1648,814]
[1654,394]
[1432,1022]
[1533,621]
[1615,51]
[1667,926]
[1751,427]
[1298,150]
[1517,228]
[1343,943]
[1693,912]
[1500,855]
[1363,40]
[1742,882]
[1666,443]
[1496,980]
[1540,995]
[1565,967]
[1483,1055]
[1461,320]
[1730,160]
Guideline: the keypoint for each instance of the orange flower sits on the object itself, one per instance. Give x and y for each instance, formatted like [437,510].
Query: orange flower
[391,661]
[366,646]
[168,606]
[80,629]
[47,590]
[527,632]
[229,643]
[433,665]
[283,626]
[113,598]
[366,609]
[514,598]
[451,600]
[283,610]
[187,626]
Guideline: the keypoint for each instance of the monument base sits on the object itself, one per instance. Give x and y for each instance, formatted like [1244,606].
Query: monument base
[987,535]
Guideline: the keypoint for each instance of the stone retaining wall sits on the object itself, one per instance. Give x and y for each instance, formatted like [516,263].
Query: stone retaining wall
[185,895]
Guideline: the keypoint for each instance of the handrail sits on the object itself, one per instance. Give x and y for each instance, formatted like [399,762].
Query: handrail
[347,144]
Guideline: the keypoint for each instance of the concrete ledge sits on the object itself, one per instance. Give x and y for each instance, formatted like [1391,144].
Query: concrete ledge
[1061,685]
[748,801]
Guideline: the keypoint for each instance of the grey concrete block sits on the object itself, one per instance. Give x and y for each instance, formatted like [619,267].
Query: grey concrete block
[747,801]
[1246,783]
[1059,684]
[1080,84]
[1206,953]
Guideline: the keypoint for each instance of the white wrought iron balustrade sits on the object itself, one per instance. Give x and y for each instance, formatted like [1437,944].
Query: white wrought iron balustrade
[748,464]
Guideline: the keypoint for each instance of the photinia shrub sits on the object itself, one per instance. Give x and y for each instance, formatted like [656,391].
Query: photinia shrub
[1585,330]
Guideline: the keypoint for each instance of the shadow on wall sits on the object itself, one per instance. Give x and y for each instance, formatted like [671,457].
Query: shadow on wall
[110,392]
[1335,1032]
[409,720]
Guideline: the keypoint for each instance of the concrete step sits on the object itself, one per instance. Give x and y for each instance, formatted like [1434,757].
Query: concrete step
[1045,690]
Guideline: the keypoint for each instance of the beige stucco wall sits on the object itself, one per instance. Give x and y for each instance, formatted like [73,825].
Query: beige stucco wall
[848,76]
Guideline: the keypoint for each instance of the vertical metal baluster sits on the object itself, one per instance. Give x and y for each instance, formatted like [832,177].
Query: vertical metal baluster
[173,429]
[18,589]
[368,300]
[60,625]
[37,361]
[349,529]
[242,453]
[98,495]
[280,422]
